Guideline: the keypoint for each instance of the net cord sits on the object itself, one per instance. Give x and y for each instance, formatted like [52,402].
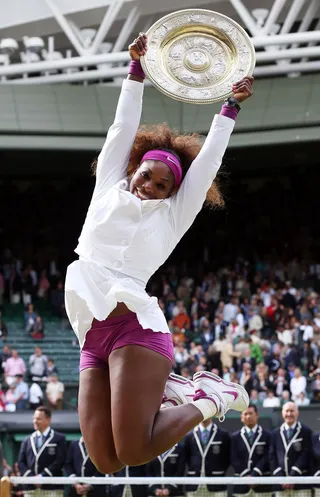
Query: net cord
[184,480]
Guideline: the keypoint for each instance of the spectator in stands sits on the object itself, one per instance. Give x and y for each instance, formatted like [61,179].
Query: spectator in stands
[10,398]
[315,386]
[4,356]
[37,364]
[15,289]
[44,285]
[79,464]
[35,396]
[13,366]
[51,368]
[57,300]
[21,393]
[43,452]
[290,448]
[271,400]
[298,384]
[230,310]
[207,337]
[302,400]
[3,329]
[280,383]
[285,397]
[2,400]
[249,452]
[181,319]
[262,384]
[30,317]
[206,452]
[254,398]
[38,329]
[54,392]
[28,286]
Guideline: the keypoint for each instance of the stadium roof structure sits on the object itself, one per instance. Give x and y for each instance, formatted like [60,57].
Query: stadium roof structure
[77,41]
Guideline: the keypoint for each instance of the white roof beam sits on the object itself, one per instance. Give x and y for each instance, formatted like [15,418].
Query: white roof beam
[273,16]
[245,16]
[126,29]
[292,15]
[107,21]
[65,26]
[298,67]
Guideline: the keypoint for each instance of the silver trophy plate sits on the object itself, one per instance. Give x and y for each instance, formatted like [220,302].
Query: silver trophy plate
[195,55]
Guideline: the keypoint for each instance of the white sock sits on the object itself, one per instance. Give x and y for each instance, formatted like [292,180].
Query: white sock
[207,408]
[167,404]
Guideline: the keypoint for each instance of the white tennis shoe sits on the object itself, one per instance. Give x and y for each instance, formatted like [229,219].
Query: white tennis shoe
[178,391]
[225,394]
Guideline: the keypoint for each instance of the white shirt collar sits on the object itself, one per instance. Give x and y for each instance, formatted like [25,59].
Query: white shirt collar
[254,429]
[287,427]
[45,433]
[208,428]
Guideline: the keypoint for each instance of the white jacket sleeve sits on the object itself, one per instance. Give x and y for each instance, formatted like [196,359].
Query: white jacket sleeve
[114,156]
[188,201]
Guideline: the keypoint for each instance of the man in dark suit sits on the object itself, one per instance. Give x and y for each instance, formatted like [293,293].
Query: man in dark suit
[170,463]
[129,490]
[291,450]
[207,453]
[249,453]
[43,453]
[316,461]
[79,464]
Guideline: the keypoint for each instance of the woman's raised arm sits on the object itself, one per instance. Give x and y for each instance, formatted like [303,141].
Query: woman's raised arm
[113,158]
[188,201]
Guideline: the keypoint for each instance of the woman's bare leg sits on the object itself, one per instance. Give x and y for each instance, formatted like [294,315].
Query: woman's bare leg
[140,430]
[95,419]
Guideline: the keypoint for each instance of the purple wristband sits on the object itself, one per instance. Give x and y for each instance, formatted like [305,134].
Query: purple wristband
[135,69]
[229,111]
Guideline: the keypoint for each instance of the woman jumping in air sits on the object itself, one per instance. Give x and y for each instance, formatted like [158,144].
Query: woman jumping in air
[150,185]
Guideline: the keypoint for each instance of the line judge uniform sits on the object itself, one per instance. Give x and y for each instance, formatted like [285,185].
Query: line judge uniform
[170,463]
[290,455]
[128,490]
[207,453]
[79,464]
[249,457]
[316,461]
[43,454]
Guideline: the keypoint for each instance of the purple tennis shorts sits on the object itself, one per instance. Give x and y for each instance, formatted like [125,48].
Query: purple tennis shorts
[113,333]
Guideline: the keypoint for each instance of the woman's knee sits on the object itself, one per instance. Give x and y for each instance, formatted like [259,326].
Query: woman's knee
[135,456]
[107,465]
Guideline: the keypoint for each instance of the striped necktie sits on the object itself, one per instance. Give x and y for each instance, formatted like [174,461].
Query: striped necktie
[250,436]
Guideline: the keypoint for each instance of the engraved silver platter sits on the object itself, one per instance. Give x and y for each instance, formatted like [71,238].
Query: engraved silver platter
[194,55]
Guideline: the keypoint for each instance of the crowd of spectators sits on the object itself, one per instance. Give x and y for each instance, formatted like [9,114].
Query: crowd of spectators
[258,325]
[253,323]
[28,386]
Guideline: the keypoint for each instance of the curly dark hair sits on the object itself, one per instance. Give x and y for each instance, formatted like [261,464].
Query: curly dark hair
[185,147]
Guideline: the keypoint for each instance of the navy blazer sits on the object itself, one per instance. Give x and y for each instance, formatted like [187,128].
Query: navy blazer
[137,490]
[316,455]
[78,463]
[212,460]
[48,460]
[251,460]
[171,463]
[291,458]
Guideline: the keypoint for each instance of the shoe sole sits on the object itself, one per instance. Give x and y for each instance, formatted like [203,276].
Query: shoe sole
[243,395]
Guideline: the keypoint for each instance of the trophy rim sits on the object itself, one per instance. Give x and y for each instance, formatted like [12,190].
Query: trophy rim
[148,71]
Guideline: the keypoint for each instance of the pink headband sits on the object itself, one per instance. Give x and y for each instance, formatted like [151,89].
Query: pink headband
[171,160]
